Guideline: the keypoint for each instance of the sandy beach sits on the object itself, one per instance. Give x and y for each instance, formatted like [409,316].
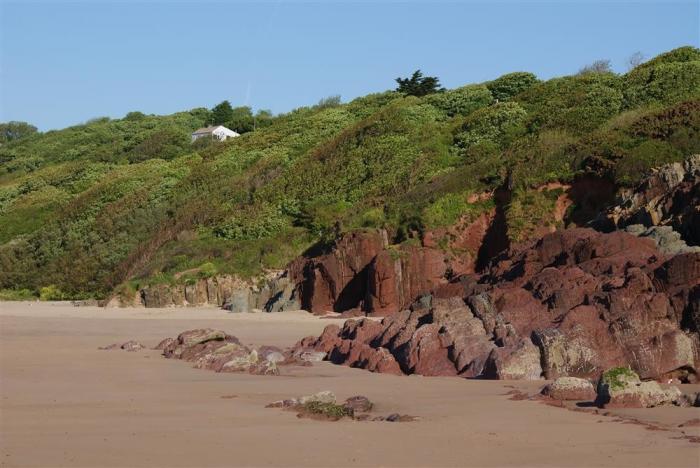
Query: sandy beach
[66,403]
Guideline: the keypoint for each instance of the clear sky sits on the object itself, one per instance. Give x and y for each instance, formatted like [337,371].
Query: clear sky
[64,62]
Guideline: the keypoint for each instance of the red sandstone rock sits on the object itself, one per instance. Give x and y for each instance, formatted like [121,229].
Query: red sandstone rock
[573,303]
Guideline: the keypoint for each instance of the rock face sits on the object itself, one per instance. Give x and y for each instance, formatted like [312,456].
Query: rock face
[272,293]
[218,351]
[670,196]
[362,273]
[668,240]
[574,303]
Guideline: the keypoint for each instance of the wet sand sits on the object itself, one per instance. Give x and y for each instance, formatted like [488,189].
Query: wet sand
[65,403]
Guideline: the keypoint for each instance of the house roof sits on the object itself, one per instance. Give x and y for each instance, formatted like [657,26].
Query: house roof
[207,129]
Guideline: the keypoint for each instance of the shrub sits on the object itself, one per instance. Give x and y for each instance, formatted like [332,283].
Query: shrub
[51,293]
[135,116]
[12,131]
[578,104]
[207,270]
[373,218]
[330,101]
[163,144]
[528,211]
[461,101]
[638,161]
[617,378]
[511,84]
[17,295]
[599,66]
[664,83]
[446,210]
[497,124]
[329,410]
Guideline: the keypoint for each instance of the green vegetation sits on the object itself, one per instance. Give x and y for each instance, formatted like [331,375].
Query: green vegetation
[117,204]
[11,131]
[418,85]
[329,410]
[617,378]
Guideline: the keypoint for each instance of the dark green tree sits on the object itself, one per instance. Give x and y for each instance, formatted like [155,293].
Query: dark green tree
[419,85]
[222,113]
[241,120]
[10,131]
[263,118]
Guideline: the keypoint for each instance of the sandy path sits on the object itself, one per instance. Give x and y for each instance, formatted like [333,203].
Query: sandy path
[64,403]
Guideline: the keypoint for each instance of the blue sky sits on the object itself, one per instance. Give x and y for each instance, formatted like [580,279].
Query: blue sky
[64,62]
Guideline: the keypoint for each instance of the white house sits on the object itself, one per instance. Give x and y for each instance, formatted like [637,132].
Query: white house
[218,132]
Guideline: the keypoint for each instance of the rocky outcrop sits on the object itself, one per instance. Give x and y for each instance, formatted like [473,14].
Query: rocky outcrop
[669,196]
[274,292]
[361,272]
[668,241]
[130,345]
[218,351]
[573,303]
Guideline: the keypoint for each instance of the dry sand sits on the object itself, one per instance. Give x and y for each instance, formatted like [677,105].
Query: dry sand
[64,403]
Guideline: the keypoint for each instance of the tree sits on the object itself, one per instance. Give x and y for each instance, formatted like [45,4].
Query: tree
[135,115]
[263,118]
[330,101]
[241,119]
[419,85]
[222,113]
[10,131]
[635,60]
[599,66]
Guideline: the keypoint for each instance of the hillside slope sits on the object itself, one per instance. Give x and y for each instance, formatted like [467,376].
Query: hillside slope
[124,203]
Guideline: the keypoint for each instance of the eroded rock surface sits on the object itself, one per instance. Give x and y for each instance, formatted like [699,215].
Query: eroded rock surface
[216,350]
[670,196]
[362,273]
[574,303]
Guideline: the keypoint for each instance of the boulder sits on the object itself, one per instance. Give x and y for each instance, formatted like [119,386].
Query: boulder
[621,387]
[570,388]
[358,404]
[520,361]
[218,351]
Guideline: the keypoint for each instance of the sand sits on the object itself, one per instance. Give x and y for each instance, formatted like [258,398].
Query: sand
[66,403]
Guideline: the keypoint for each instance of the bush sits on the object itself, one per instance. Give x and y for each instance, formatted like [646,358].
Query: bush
[329,410]
[17,295]
[12,131]
[330,101]
[618,378]
[51,293]
[664,83]
[498,124]
[446,210]
[578,104]
[207,270]
[638,161]
[163,144]
[135,116]
[461,101]
[528,211]
[510,85]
